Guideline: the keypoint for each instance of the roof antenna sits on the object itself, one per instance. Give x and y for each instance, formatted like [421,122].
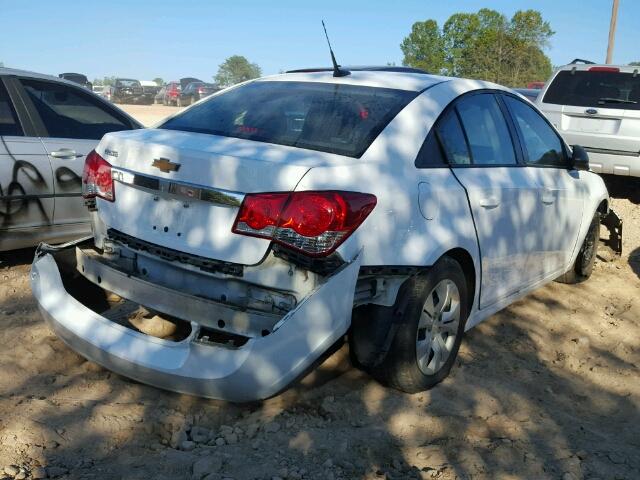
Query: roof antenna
[337,71]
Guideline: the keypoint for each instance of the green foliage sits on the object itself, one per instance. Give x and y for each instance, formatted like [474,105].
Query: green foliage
[159,81]
[106,81]
[423,48]
[632,64]
[483,45]
[236,69]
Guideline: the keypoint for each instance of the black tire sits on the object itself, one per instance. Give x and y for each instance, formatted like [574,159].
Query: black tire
[400,367]
[583,266]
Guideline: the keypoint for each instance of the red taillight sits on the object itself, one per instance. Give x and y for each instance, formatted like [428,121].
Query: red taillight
[604,69]
[315,223]
[96,178]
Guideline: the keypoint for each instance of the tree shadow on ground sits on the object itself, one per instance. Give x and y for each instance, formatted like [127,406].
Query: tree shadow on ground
[532,395]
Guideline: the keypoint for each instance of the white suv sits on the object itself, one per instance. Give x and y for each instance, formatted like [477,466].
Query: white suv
[598,107]
[240,235]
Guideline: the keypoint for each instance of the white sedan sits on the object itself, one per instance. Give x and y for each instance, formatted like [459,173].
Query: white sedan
[242,238]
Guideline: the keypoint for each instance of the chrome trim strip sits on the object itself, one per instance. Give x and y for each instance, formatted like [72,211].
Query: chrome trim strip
[189,191]
[612,152]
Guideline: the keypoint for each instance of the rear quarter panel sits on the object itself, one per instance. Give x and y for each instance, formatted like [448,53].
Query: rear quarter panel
[421,213]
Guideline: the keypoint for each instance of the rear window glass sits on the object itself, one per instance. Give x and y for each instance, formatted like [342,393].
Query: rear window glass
[595,89]
[342,119]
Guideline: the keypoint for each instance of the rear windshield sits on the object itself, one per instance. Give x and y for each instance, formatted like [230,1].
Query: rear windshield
[595,89]
[342,119]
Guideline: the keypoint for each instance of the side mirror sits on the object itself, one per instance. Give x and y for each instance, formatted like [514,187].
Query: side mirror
[579,158]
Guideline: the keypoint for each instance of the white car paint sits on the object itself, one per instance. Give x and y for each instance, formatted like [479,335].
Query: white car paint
[521,227]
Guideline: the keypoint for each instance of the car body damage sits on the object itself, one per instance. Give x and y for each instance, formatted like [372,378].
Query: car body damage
[233,244]
[255,366]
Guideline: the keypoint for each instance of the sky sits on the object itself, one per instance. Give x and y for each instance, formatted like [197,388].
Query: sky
[173,39]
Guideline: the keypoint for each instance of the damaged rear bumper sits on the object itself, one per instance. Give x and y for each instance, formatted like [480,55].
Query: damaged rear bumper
[260,368]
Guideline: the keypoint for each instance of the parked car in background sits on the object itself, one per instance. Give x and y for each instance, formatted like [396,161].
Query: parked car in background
[187,80]
[78,78]
[195,91]
[171,93]
[535,85]
[149,89]
[107,92]
[47,128]
[598,106]
[159,97]
[127,90]
[529,93]
[252,231]
[98,89]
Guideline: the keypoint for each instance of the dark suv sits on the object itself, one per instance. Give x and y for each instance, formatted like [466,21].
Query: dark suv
[126,90]
[78,78]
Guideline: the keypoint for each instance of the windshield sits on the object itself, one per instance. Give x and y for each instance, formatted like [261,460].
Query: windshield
[342,119]
[128,83]
[595,89]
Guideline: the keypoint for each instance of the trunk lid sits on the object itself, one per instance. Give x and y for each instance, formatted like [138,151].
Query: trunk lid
[170,214]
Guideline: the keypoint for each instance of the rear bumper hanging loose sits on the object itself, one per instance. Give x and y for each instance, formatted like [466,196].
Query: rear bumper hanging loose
[260,368]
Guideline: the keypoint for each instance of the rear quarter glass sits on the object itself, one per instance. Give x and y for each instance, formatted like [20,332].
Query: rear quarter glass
[340,119]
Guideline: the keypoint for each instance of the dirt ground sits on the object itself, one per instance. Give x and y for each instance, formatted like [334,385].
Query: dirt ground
[149,114]
[548,388]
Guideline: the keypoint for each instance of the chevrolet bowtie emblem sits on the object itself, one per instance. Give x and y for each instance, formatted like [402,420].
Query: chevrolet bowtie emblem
[165,165]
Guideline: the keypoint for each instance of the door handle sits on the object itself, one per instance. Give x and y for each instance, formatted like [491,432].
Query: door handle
[489,202]
[548,196]
[64,153]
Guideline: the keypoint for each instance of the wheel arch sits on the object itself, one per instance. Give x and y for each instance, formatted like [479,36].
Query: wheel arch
[465,260]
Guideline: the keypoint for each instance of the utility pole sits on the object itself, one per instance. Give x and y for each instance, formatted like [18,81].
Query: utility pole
[612,30]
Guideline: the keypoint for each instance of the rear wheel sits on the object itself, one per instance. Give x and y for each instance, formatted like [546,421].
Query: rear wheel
[583,266]
[433,310]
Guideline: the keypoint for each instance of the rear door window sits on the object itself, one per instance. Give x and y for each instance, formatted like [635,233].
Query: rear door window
[487,131]
[69,112]
[341,119]
[541,143]
[604,89]
[9,125]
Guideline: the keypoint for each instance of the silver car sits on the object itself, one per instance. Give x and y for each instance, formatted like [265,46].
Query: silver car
[598,107]
[47,127]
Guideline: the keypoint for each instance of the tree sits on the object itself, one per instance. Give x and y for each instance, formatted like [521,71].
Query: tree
[484,45]
[423,47]
[236,69]
[632,64]
[159,81]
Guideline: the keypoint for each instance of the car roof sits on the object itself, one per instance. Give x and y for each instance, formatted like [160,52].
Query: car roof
[581,67]
[399,80]
[35,75]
